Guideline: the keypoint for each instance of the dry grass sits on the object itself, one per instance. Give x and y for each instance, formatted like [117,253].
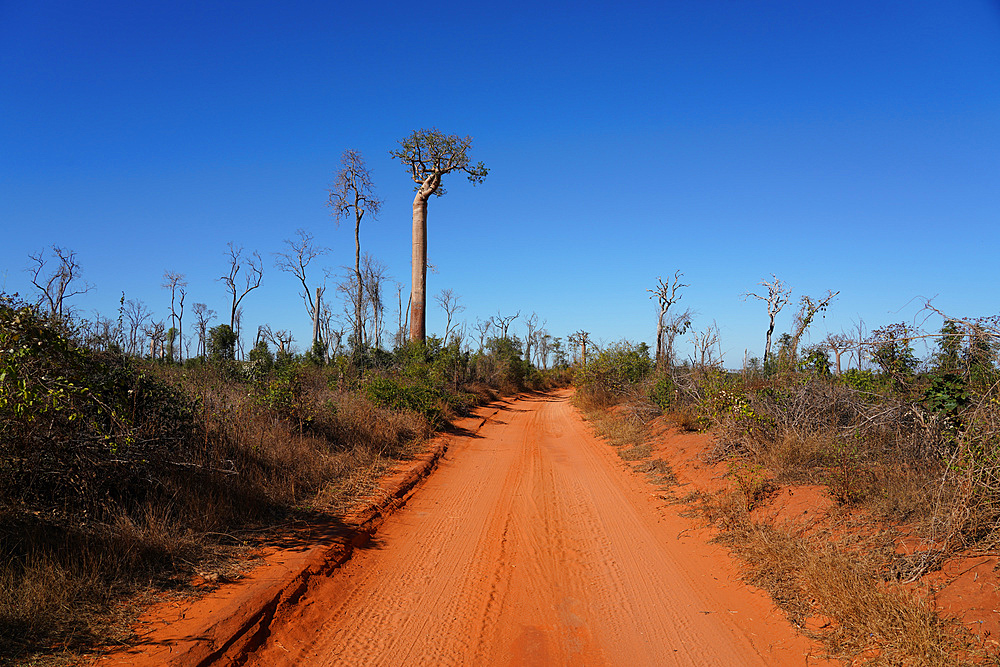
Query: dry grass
[246,468]
[842,588]
[835,589]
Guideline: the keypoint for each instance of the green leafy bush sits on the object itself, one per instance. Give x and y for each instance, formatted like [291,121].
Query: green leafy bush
[397,394]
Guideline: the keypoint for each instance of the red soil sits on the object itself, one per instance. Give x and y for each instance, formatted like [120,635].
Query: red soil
[531,544]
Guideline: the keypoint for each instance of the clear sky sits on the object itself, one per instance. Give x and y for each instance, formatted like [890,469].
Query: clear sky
[852,146]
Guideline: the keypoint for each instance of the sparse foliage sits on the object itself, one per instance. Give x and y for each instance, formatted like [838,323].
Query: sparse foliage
[353,194]
[775,297]
[429,155]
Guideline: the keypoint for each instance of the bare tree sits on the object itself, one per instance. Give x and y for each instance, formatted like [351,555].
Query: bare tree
[776,297]
[666,295]
[203,315]
[373,274]
[59,285]
[138,316]
[543,346]
[176,283]
[101,333]
[483,329]
[353,193]
[251,277]
[449,302]
[295,260]
[400,336]
[502,322]
[532,325]
[429,154]
[705,344]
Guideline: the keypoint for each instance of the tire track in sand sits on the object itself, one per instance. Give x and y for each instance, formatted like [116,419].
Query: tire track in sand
[533,545]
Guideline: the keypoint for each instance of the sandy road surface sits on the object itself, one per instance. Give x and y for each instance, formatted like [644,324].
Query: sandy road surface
[532,545]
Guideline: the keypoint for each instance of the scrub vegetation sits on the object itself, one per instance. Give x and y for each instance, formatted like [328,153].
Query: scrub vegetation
[907,448]
[121,474]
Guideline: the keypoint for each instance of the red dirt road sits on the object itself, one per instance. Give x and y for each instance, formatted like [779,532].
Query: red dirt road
[533,545]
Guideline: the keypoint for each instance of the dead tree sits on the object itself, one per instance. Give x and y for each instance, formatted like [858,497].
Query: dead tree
[502,322]
[532,326]
[301,252]
[254,271]
[61,284]
[203,315]
[666,295]
[776,297]
[543,346]
[705,344]
[137,315]
[483,329]
[373,272]
[449,302]
[176,283]
[428,155]
[353,194]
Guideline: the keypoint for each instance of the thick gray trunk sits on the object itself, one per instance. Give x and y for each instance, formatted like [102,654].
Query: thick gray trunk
[418,291]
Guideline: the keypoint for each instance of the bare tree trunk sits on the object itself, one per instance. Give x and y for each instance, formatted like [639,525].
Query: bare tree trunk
[418,291]
[316,338]
[359,297]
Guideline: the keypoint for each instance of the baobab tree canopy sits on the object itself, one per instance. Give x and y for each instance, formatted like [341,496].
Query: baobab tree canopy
[429,154]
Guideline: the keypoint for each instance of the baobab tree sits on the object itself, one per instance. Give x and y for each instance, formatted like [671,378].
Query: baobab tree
[838,344]
[353,193]
[429,154]
[203,316]
[580,338]
[776,297]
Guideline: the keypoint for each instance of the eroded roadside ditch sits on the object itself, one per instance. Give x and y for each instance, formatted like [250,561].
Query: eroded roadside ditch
[230,621]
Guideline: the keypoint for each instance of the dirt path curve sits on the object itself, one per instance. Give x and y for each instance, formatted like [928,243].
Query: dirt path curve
[533,545]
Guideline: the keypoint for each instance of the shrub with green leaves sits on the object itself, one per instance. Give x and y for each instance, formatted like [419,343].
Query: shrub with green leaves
[398,394]
[616,369]
[80,428]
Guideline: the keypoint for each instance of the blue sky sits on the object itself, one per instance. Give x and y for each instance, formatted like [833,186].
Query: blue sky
[852,146]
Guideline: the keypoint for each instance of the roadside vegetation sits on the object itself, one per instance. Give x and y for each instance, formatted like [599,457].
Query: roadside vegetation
[908,449]
[121,474]
[139,454]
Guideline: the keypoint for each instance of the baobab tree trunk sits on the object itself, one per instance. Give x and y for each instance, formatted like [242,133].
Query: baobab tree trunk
[418,291]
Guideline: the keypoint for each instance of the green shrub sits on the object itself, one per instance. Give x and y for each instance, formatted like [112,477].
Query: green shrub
[397,394]
[616,369]
[661,393]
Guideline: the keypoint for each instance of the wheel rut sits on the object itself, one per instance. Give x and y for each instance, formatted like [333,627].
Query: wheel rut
[532,544]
